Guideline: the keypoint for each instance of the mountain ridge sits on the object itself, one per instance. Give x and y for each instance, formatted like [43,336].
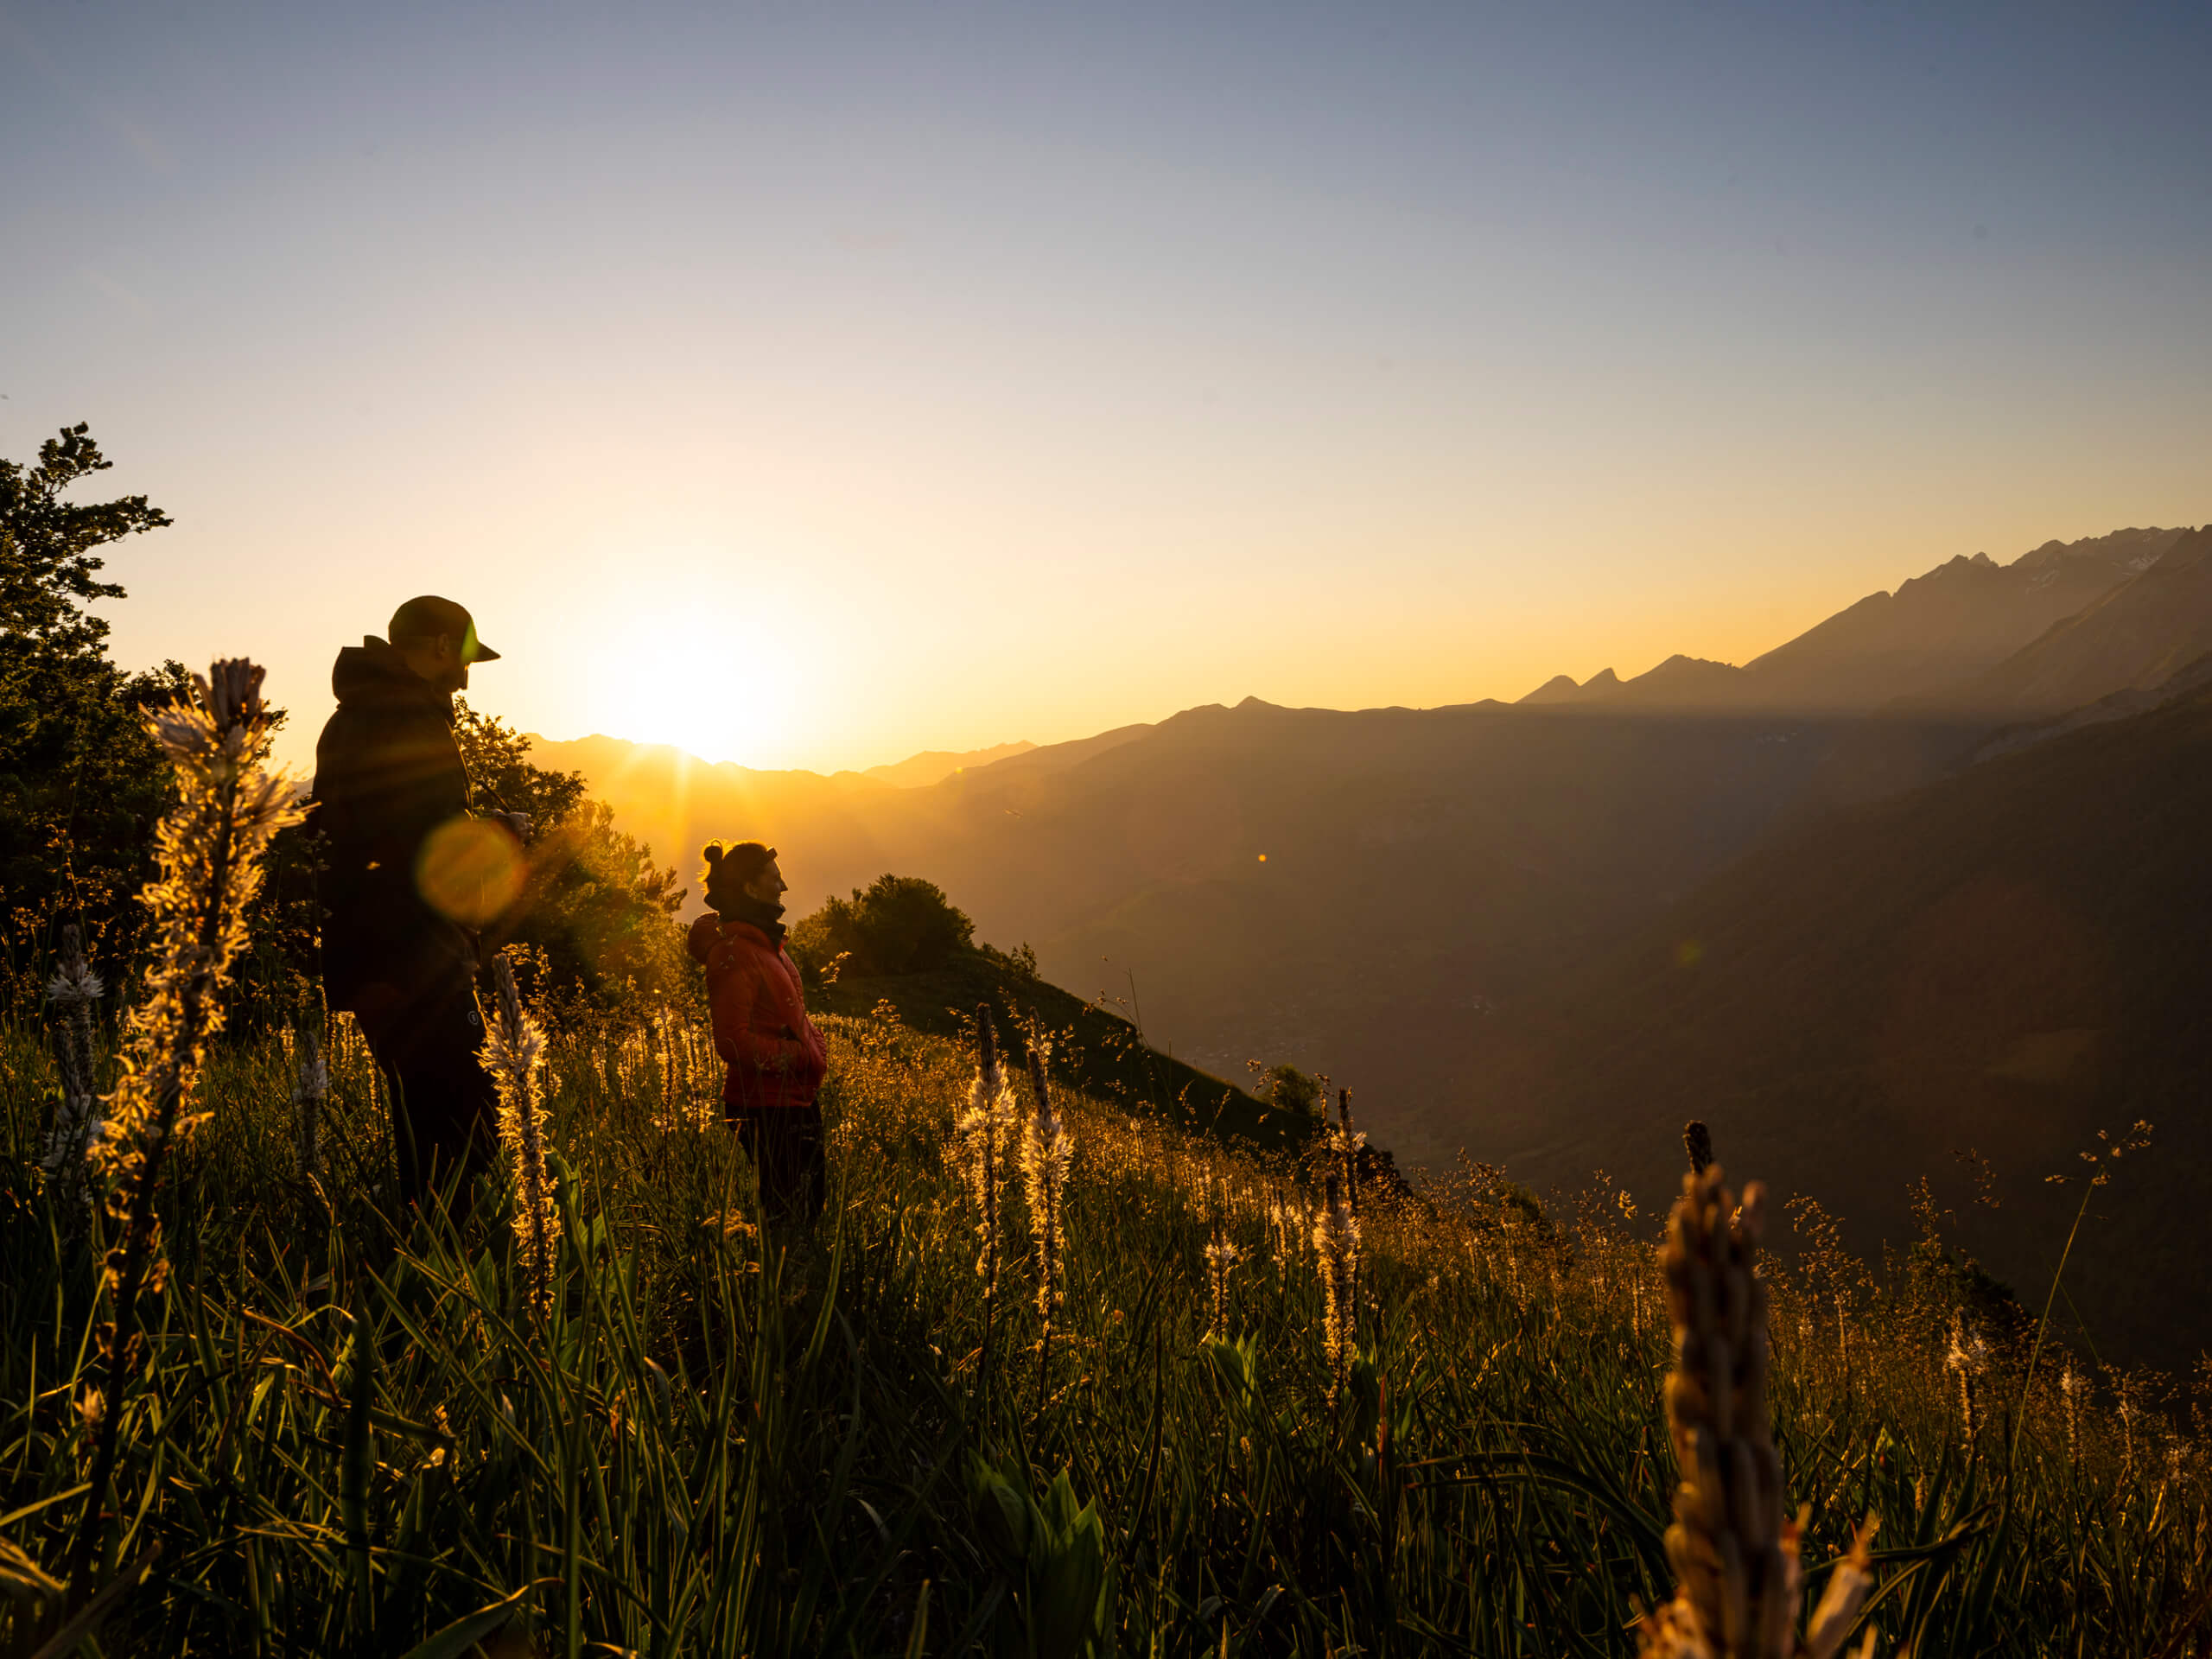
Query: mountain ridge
[1938,629]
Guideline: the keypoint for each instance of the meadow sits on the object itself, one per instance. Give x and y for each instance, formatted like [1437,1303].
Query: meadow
[355,1434]
[1053,1375]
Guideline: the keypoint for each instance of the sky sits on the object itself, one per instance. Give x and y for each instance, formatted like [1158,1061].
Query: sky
[811,385]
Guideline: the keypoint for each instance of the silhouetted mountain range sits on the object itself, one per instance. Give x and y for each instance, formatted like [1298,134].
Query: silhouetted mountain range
[1935,632]
[934,765]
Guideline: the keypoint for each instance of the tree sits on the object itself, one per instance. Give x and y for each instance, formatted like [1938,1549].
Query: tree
[47,565]
[1287,1089]
[900,925]
[500,774]
[81,783]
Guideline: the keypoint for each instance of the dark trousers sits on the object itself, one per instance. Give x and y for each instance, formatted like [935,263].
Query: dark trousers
[785,1143]
[444,1104]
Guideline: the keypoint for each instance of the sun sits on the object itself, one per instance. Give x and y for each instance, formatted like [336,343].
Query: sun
[705,694]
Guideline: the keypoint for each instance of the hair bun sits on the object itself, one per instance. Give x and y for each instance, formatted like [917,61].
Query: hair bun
[713,852]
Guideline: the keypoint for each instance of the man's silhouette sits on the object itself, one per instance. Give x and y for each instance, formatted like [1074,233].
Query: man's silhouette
[388,777]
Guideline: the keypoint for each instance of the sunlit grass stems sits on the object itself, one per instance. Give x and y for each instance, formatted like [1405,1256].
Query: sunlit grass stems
[1733,1547]
[513,1050]
[2099,1173]
[208,851]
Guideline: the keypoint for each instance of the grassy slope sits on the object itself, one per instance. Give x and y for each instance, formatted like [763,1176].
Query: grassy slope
[365,1436]
[1097,1051]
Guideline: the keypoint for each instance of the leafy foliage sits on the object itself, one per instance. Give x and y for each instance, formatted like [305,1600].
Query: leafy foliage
[1287,1089]
[48,568]
[80,781]
[900,925]
[501,775]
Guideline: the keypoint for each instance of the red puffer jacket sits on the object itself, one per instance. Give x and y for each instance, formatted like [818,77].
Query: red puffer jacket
[775,1055]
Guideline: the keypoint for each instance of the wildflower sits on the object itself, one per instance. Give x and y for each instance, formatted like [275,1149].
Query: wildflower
[981,1137]
[1045,1151]
[78,1126]
[310,1091]
[1222,1257]
[2072,1385]
[1968,1356]
[2127,1410]
[513,1049]
[1336,1241]
[208,851]
[1734,1551]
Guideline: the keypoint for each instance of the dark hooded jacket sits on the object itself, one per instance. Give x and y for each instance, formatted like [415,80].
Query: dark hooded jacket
[387,772]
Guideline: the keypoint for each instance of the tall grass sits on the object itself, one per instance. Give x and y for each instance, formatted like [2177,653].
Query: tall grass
[357,1436]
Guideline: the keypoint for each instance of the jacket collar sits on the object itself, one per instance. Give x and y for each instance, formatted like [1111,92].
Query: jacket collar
[773,940]
[374,674]
[766,920]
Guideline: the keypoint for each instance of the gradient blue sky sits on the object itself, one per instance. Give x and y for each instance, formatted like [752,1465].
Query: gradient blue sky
[810,385]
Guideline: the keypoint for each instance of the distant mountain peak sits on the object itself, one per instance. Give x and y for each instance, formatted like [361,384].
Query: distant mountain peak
[934,765]
[1558,689]
[1561,688]
[2134,549]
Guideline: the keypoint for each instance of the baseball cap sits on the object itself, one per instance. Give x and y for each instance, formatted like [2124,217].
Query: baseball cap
[428,617]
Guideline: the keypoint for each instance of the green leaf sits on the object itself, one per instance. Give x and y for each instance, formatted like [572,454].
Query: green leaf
[464,1632]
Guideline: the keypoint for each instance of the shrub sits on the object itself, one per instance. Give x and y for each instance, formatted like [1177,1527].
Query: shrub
[900,925]
[1289,1089]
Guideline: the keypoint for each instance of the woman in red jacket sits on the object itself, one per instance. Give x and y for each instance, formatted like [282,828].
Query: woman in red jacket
[775,1056]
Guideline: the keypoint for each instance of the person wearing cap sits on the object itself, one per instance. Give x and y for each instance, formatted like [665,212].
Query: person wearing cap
[388,775]
[775,1057]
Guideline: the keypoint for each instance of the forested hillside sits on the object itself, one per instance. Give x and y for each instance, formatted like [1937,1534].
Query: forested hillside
[2003,963]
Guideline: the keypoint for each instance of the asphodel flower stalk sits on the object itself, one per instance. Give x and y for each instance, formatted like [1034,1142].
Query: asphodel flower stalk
[1336,1246]
[208,851]
[1733,1547]
[78,1126]
[1046,1150]
[1966,1355]
[2072,1385]
[513,1050]
[1222,1257]
[1349,1141]
[982,1138]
